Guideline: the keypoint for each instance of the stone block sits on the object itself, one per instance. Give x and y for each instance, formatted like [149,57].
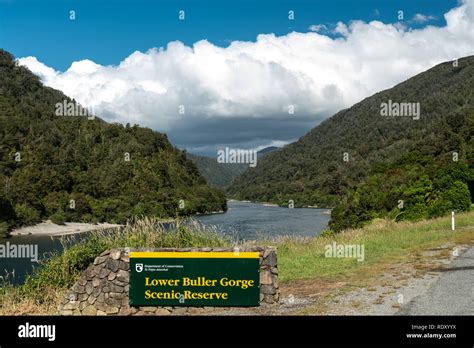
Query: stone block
[123,265]
[89,310]
[123,276]
[99,260]
[266,277]
[116,254]
[104,272]
[111,310]
[89,288]
[267,289]
[162,311]
[112,265]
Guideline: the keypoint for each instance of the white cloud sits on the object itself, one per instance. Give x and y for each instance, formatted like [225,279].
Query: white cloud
[317,28]
[276,143]
[259,80]
[44,72]
[421,18]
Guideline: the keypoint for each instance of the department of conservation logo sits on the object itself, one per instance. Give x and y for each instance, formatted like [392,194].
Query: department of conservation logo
[139,267]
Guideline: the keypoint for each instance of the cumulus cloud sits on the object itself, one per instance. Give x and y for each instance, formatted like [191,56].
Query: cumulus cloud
[421,18]
[240,95]
[317,28]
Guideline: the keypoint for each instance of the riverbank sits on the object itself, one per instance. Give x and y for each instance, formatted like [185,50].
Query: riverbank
[50,229]
[50,280]
[274,204]
[393,258]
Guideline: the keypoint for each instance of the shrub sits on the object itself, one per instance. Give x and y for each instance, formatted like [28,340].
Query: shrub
[4,229]
[458,196]
[81,207]
[62,269]
[55,201]
[7,213]
[415,212]
[58,218]
[327,233]
[26,214]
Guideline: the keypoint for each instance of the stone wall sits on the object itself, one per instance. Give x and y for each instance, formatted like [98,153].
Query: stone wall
[103,287]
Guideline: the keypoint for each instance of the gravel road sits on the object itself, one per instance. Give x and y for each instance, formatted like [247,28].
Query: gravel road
[451,294]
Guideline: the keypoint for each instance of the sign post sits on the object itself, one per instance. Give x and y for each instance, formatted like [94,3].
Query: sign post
[452,221]
[194,279]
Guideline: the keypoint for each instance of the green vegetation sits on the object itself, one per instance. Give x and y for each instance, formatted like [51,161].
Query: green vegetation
[397,167]
[385,241]
[59,271]
[217,174]
[72,168]
[222,175]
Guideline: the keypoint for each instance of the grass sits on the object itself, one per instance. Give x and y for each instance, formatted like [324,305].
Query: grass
[384,241]
[44,288]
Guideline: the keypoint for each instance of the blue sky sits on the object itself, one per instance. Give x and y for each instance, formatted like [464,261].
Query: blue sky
[108,31]
[235,67]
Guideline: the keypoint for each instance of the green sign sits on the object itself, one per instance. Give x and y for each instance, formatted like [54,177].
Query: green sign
[194,279]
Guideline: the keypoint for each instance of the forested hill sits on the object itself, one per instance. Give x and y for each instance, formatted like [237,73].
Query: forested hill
[369,165]
[217,174]
[221,175]
[75,168]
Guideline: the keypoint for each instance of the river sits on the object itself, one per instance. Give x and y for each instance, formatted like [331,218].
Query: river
[243,221]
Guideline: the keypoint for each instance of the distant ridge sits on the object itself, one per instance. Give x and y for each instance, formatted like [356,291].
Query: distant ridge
[358,146]
[221,175]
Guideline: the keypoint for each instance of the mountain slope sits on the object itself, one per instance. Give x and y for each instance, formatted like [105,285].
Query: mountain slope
[221,175]
[328,163]
[76,169]
[267,150]
[217,174]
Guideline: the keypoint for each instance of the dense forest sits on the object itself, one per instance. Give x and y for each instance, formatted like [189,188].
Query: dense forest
[217,174]
[75,168]
[222,175]
[366,165]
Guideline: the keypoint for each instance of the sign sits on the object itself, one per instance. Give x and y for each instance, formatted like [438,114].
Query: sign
[194,279]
